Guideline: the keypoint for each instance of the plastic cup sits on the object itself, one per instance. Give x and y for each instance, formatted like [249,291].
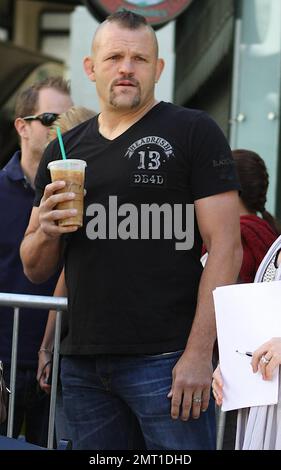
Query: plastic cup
[71,171]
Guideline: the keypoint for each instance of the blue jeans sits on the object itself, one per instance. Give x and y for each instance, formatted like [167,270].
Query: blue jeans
[108,400]
[60,420]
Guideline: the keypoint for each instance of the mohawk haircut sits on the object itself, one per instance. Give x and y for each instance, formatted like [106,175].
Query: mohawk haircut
[128,19]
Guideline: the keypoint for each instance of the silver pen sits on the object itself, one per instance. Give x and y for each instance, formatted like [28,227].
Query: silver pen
[246,353]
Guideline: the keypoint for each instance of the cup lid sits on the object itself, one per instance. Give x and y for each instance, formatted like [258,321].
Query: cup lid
[69,163]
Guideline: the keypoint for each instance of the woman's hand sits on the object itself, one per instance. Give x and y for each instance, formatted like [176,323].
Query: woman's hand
[44,370]
[217,386]
[267,357]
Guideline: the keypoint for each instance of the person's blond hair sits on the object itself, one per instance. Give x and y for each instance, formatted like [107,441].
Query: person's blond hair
[71,118]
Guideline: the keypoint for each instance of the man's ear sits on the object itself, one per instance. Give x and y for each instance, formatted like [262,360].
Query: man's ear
[21,127]
[89,68]
[159,69]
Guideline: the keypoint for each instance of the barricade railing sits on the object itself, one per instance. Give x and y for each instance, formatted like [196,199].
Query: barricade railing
[221,418]
[17,301]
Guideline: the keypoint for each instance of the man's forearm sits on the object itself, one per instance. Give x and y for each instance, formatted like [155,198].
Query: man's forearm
[222,268]
[40,255]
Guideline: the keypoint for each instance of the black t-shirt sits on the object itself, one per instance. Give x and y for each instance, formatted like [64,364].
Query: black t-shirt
[137,295]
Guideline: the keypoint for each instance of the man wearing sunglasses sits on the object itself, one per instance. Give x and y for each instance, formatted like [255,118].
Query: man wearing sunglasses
[36,109]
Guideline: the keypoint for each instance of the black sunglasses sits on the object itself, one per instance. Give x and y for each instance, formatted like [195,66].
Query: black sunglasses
[46,119]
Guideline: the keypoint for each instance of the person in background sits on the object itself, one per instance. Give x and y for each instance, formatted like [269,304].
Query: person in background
[259,229]
[258,427]
[141,326]
[37,107]
[65,121]
[71,118]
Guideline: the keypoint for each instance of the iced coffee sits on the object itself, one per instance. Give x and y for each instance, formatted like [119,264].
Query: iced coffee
[73,173]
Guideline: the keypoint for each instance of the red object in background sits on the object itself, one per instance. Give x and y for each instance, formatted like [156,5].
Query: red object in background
[157,12]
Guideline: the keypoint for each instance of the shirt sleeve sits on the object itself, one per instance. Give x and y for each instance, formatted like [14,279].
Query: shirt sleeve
[213,168]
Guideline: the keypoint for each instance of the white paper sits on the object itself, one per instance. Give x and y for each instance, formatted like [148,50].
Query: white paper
[247,316]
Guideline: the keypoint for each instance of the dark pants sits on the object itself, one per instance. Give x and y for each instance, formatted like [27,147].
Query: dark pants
[230,430]
[31,408]
[109,399]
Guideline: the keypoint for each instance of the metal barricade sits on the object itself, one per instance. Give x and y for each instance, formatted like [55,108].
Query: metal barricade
[18,301]
[221,417]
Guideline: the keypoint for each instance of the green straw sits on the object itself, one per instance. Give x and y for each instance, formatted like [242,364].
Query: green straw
[61,143]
